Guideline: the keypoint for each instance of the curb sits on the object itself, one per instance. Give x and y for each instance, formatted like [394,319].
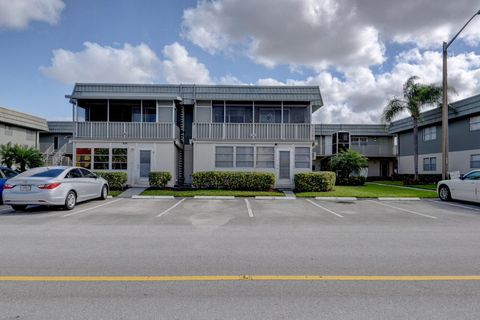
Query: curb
[273,198]
[398,199]
[109,197]
[153,197]
[215,197]
[345,199]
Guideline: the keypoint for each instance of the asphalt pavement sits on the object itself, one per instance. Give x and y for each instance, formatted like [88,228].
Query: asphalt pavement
[193,246]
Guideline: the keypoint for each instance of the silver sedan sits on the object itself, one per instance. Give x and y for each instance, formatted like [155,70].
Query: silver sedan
[53,186]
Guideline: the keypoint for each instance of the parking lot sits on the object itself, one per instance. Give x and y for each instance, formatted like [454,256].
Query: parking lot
[196,237]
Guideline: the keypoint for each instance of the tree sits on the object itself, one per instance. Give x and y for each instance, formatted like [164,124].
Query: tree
[415,97]
[7,154]
[23,157]
[347,162]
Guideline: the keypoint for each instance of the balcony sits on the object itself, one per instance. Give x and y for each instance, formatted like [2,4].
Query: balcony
[206,131]
[126,130]
[379,150]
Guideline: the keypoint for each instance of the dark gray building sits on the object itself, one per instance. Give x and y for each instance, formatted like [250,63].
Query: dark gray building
[464,139]
[56,144]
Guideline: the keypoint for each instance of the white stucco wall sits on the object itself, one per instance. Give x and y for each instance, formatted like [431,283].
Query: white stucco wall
[204,158]
[164,155]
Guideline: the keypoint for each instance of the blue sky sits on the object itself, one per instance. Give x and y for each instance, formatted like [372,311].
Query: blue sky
[359,57]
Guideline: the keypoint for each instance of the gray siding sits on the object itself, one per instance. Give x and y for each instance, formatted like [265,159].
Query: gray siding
[460,139]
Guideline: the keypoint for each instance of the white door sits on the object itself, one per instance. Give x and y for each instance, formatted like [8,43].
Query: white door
[144,166]
[284,167]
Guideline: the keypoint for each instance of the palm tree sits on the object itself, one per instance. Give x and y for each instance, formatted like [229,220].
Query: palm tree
[415,97]
[27,157]
[7,154]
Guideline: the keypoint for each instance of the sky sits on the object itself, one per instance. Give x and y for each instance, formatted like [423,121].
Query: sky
[359,52]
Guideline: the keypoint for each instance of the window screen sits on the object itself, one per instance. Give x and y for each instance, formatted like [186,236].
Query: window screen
[302,157]
[244,157]
[224,157]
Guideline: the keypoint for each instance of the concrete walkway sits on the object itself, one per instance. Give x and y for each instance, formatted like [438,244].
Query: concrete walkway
[131,192]
[289,194]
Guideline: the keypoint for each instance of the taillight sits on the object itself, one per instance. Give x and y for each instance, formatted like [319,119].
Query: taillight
[49,186]
[7,186]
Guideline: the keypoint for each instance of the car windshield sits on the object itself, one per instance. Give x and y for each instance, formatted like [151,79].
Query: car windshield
[52,173]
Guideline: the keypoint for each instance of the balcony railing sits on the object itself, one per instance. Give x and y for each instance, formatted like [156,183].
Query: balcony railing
[379,150]
[253,131]
[125,130]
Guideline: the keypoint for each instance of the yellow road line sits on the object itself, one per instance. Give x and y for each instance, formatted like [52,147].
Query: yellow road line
[235,278]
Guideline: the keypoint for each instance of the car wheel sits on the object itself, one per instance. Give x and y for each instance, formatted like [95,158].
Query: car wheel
[19,207]
[70,200]
[104,193]
[444,193]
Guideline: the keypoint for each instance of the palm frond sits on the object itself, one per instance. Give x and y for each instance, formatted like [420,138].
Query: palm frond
[392,109]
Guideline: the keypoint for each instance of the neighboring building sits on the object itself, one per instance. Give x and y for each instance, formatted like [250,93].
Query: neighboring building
[183,129]
[371,140]
[20,128]
[464,139]
[56,144]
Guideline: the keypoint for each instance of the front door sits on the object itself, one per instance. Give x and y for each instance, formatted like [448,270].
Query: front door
[144,167]
[284,167]
[384,168]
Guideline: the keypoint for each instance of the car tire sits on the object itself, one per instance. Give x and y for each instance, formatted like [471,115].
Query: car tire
[444,193]
[104,192]
[19,207]
[70,200]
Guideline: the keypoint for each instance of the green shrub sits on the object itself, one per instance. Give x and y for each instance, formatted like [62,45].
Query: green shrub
[159,179]
[351,181]
[347,162]
[253,181]
[315,181]
[116,179]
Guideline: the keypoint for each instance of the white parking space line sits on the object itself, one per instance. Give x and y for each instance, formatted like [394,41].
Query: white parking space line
[171,208]
[455,205]
[402,209]
[249,209]
[322,207]
[91,208]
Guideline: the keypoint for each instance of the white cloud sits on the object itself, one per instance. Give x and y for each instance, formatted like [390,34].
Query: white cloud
[17,14]
[359,96]
[96,63]
[180,67]
[322,33]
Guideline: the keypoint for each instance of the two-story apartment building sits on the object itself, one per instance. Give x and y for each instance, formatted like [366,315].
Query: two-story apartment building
[371,140]
[188,128]
[56,144]
[464,139]
[20,128]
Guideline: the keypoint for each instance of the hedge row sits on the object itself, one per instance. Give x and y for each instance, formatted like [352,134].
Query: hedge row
[409,179]
[254,181]
[159,179]
[116,179]
[315,181]
[351,181]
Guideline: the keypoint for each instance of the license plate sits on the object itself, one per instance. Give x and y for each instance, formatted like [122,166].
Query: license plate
[25,188]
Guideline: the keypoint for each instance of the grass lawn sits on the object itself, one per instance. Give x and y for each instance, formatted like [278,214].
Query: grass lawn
[114,193]
[370,191]
[431,186]
[192,193]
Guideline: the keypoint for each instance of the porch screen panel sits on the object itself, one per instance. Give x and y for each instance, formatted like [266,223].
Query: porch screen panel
[83,157]
[100,158]
[119,158]
[265,157]
[302,157]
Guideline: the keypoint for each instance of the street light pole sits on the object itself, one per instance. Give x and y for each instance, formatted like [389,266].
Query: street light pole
[445,101]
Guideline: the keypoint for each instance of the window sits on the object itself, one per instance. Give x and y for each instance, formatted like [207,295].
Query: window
[87,174]
[100,158]
[8,173]
[119,158]
[359,141]
[244,157]
[429,164]
[238,114]
[224,157]
[73,174]
[49,173]
[84,158]
[149,111]
[430,133]
[475,161]
[472,176]
[218,110]
[302,157]
[265,157]
[475,123]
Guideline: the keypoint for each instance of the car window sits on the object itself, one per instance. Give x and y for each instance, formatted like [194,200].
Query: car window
[74,173]
[473,176]
[8,173]
[49,173]
[87,174]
